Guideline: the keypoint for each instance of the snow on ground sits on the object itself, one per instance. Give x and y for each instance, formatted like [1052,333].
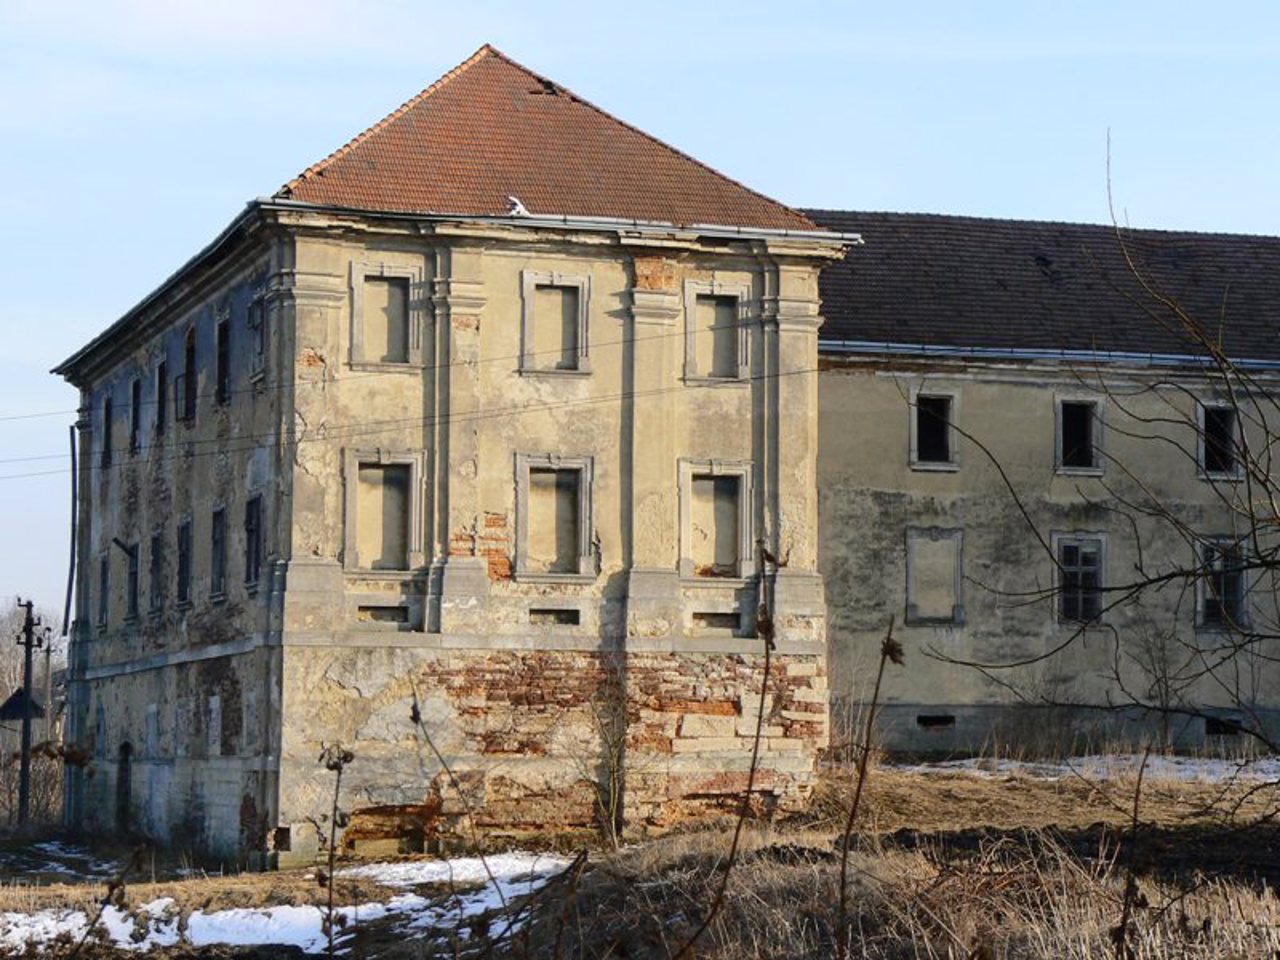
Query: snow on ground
[158,923]
[1189,769]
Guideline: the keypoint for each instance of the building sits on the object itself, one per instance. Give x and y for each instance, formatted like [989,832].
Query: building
[461,450]
[458,451]
[1020,424]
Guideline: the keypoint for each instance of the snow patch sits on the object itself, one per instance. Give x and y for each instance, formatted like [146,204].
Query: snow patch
[1186,769]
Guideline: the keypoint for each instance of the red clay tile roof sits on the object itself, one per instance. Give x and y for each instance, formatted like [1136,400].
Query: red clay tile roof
[491,129]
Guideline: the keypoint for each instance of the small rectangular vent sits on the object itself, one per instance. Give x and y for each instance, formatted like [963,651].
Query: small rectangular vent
[935,721]
[709,620]
[382,614]
[553,617]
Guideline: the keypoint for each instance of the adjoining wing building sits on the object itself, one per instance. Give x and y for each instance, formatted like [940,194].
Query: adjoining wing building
[467,448]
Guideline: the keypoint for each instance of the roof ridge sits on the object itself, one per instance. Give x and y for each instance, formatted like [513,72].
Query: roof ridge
[485,50]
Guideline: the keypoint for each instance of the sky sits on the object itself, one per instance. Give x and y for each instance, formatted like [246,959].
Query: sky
[132,132]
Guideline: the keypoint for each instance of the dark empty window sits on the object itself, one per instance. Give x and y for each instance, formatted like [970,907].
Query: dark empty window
[257,323]
[1080,579]
[184,562]
[218,554]
[106,431]
[135,414]
[252,539]
[1222,727]
[222,389]
[1079,441]
[933,429]
[157,572]
[162,393]
[131,595]
[1222,604]
[184,388]
[1220,440]
[104,589]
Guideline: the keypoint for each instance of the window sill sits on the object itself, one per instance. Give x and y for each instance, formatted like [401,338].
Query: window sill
[1222,629]
[387,366]
[576,373]
[528,576]
[693,580]
[398,573]
[1078,471]
[1208,477]
[935,466]
[734,381]
[182,606]
[219,597]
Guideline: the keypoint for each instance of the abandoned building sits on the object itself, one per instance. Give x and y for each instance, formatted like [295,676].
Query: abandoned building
[466,451]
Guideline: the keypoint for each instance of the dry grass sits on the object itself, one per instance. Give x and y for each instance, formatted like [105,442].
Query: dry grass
[1010,901]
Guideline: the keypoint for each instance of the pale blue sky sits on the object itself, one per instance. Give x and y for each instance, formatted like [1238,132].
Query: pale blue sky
[132,132]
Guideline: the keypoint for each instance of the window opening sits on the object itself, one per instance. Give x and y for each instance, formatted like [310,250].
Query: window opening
[184,562]
[222,389]
[553,537]
[252,539]
[382,516]
[218,553]
[1080,580]
[1078,441]
[1223,603]
[157,572]
[714,517]
[1220,440]
[135,414]
[933,429]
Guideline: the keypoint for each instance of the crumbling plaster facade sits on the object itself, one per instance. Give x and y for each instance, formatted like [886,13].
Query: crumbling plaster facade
[625,678]
[996,598]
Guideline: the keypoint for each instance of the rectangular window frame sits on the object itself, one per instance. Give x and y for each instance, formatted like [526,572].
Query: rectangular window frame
[155,575]
[1096,436]
[187,382]
[108,422]
[222,360]
[1211,568]
[688,468]
[914,535]
[133,581]
[362,270]
[184,572]
[586,562]
[218,554]
[352,461]
[135,415]
[530,281]
[256,323]
[745,315]
[1078,538]
[950,465]
[104,589]
[1202,445]
[162,398]
[253,541]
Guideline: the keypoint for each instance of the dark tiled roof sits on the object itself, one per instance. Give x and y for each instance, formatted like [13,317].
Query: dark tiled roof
[923,279]
[491,129]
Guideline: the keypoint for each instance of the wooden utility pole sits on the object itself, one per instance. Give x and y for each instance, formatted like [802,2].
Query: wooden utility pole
[28,641]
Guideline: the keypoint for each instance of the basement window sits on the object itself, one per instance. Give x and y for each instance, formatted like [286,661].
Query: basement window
[554,322]
[932,444]
[1219,442]
[935,721]
[717,622]
[553,517]
[382,614]
[1223,727]
[546,617]
[1078,436]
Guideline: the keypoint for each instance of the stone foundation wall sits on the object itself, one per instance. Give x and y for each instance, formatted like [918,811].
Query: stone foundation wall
[539,740]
